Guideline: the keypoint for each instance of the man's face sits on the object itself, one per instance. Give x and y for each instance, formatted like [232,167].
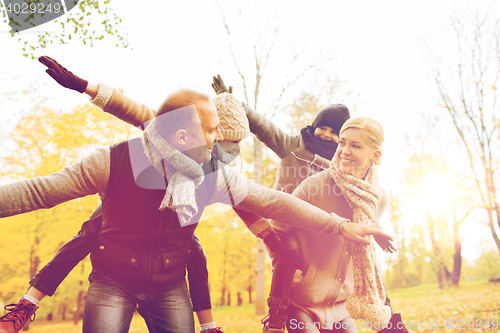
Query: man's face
[202,142]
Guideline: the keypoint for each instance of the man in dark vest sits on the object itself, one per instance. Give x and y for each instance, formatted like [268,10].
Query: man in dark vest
[154,189]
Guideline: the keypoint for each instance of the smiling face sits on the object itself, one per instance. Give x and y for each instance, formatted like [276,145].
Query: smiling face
[355,153]
[326,133]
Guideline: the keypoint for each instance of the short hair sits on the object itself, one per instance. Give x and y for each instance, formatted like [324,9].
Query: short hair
[372,129]
[184,103]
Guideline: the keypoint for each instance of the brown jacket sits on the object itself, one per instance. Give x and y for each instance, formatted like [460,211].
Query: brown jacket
[329,279]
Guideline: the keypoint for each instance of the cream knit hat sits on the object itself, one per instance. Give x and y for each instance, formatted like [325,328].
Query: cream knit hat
[233,119]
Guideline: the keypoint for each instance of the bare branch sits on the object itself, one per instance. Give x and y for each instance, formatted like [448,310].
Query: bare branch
[233,55]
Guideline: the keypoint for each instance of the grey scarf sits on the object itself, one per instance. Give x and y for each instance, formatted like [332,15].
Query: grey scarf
[184,174]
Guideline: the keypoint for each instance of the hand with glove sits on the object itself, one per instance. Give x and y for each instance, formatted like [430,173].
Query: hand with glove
[63,76]
[220,87]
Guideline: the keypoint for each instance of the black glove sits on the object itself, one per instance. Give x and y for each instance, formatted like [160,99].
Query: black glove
[220,87]
[291,256]
[64,77]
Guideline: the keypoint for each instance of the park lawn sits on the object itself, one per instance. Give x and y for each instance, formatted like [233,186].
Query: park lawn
[424,309]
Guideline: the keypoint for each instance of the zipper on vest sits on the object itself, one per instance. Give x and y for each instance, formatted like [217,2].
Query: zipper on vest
[150,257]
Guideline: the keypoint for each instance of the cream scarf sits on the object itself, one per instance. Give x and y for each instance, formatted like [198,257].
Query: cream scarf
[183,173]
[367,301]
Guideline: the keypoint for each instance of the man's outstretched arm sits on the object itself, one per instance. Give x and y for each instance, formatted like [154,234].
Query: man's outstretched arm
[103,96]
[88,176]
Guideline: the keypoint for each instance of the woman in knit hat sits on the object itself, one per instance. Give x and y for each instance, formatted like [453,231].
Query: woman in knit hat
[233,124]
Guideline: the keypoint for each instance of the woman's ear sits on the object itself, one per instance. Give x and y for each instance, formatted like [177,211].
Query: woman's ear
[376,157]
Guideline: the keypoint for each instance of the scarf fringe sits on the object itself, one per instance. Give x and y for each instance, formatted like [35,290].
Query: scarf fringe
[361,308]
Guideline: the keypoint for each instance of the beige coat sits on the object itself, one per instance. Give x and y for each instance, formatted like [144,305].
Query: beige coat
[329,279]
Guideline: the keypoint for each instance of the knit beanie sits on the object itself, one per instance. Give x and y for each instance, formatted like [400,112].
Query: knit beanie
[333,116]
[233,119]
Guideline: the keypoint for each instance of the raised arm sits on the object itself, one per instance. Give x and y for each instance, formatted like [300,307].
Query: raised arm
[103,96]
[271,135]
[122,107]
[88,176]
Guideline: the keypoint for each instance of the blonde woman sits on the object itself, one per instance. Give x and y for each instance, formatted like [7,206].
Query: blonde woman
[343,279]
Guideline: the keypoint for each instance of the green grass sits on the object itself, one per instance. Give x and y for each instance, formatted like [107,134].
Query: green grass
[471,304]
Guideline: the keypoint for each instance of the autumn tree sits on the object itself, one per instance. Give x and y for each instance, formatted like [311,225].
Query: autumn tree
[466,82]
[398,266]
[44,141]
[87,22]
[231,259]
[439,191]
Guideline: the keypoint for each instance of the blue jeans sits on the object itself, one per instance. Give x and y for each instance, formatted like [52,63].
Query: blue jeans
[109,308]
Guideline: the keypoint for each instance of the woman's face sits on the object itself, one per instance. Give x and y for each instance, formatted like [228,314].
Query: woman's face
[355,153]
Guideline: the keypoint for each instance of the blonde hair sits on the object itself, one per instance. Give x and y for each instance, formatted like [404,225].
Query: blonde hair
[373,131]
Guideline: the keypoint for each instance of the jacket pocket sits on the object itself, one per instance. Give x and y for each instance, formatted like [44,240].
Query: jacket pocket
[304,285]
[116,259]
[181,255]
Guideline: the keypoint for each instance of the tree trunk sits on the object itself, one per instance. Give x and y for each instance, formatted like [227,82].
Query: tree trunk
[260,292]
[240,300]
[457,264]
[457,256]
[250,291]
[79,300]
[223,293]
[260,265]
[78,311]
[34,263]
[443,274]
[63,311]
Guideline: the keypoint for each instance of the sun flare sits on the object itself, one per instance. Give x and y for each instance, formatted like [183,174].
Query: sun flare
[438,192]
